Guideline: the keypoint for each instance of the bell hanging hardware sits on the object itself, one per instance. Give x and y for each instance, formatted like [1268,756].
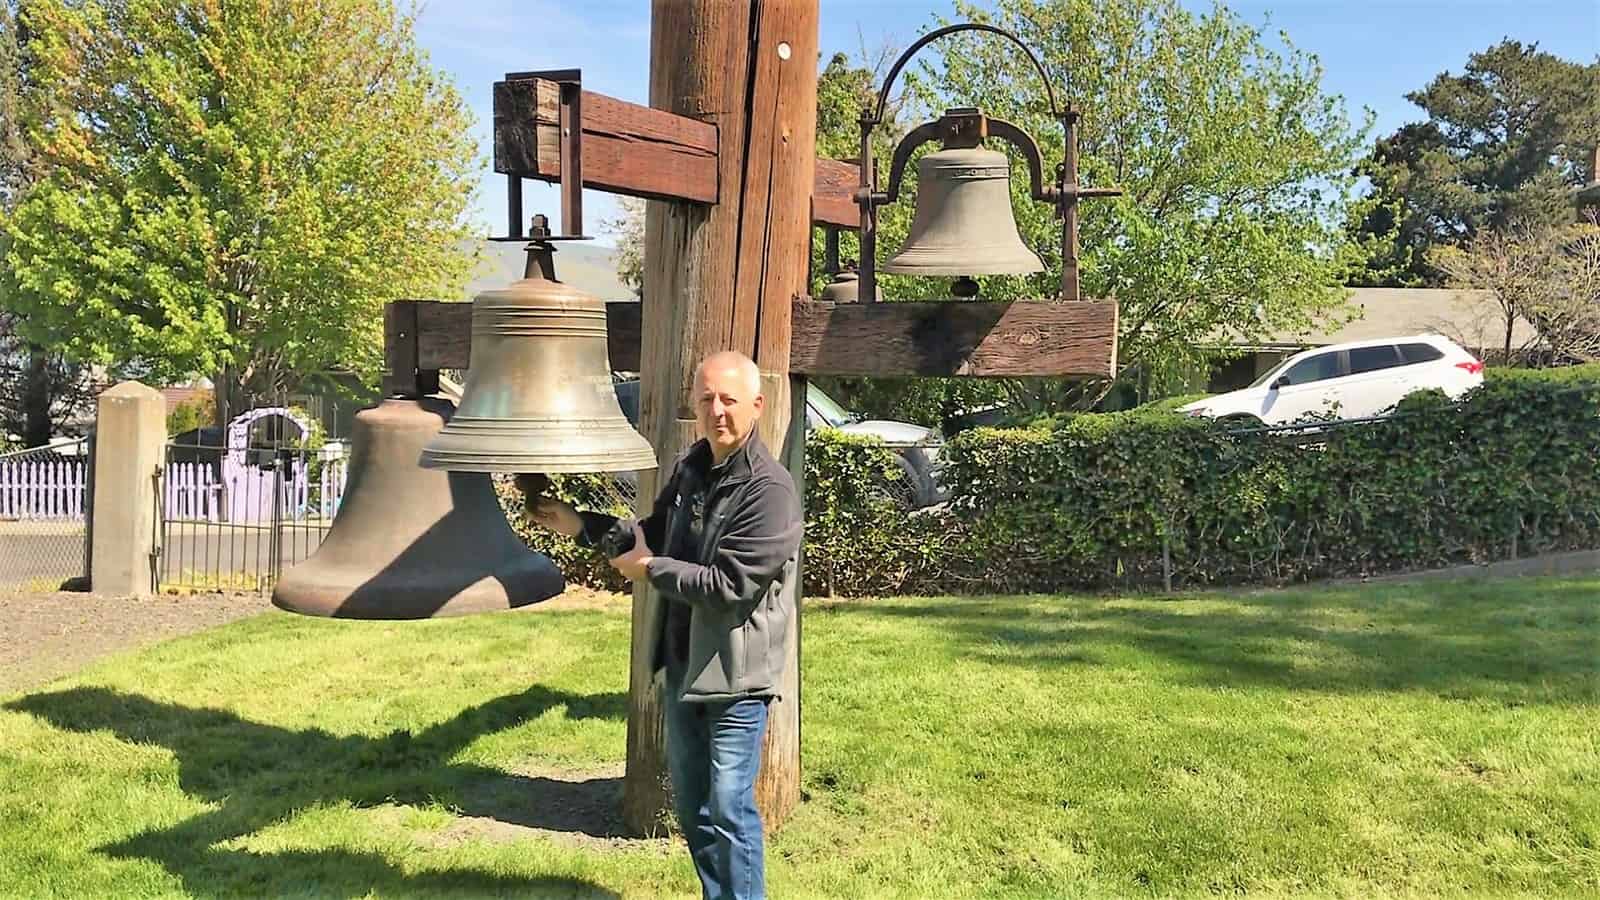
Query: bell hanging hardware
[570,100]
[963,224]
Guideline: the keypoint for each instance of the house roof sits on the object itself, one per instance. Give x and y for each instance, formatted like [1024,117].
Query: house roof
[176,395]
[1470,318]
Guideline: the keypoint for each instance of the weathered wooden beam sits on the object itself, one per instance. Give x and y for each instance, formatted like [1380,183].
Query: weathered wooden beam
[956,338]
[637,150]
[833,194]
[627,148]
[444,333]
[400,345]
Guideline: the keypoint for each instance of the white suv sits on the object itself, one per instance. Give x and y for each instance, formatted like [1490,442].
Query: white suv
[1352,381]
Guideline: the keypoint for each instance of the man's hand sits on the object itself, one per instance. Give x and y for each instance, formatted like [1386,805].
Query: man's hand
[547,512]
[632,564]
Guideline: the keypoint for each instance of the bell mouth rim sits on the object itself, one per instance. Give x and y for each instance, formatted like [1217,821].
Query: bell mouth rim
[956,272]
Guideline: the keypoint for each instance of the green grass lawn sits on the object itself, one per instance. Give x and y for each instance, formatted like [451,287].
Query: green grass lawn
[1435,739]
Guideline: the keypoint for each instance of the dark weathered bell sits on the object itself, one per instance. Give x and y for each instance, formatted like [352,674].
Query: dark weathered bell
[963,224]
[539,395]
[409,543]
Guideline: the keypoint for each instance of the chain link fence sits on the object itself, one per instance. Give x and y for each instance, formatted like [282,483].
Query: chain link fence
[45,500]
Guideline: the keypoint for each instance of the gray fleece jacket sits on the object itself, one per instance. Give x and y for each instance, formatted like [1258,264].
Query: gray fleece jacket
[726,540]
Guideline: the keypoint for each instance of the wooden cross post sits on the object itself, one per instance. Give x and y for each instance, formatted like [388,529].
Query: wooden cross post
[725,277]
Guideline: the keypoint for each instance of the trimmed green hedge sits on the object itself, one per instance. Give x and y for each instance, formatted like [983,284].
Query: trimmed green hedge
[1115,500]
[1133,499]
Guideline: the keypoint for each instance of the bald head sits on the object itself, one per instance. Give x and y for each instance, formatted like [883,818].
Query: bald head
[735,365]
[728,400]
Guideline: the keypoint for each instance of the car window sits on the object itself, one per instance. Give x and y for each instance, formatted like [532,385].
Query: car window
[825,408]
[1317,368]
[1420,353]
[1372,359]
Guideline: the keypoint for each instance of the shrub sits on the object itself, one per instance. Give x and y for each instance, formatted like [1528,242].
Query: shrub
[1142,497]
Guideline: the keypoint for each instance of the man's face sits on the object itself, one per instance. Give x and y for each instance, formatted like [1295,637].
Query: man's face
[727,404]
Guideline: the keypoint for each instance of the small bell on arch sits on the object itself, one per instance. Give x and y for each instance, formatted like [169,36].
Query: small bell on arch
[845,287]
[963,223]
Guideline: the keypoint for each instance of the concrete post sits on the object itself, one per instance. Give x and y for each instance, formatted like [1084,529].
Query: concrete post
[130,441]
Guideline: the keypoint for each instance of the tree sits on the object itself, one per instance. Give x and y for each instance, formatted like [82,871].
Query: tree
[1512,264]
[1568,318]
[1547,275]
[14,155]
[629,227]
[234,188]
[1234,163]
[37,388]
[1503,143]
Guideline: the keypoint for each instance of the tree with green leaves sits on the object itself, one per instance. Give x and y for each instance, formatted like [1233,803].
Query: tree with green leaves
[232,187]
[38,389]
[1504,142]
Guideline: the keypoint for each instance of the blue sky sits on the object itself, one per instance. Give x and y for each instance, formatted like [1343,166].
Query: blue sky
[1373,51]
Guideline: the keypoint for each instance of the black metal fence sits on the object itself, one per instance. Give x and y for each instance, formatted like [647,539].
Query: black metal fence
[235,519]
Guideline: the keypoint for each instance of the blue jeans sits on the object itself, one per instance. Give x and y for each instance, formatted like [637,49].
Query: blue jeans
[713,752]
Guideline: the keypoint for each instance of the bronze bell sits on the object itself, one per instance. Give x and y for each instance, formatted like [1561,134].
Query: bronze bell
[539,395]
[408,543]
[845,288]
[963,224]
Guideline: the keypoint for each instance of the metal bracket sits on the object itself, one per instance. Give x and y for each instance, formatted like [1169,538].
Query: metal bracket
[570,83]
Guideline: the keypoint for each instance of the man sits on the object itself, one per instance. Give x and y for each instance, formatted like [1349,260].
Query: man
[717,546]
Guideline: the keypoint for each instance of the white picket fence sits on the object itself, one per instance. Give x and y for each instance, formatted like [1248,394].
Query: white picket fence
[42,488]
[56,489]
[194,492]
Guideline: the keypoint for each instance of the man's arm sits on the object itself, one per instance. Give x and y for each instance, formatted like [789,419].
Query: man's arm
[614,536]
[764,534]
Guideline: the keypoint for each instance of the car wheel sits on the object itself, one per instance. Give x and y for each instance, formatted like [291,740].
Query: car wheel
[903,487]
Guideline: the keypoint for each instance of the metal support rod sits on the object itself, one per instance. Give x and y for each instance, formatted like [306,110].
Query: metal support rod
[514,205]
[572,157]
[1068,201]
[867,281]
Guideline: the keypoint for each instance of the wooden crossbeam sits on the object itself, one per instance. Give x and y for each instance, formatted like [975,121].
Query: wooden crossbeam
[627,148]
[637,150]
[833,194]
[958,338]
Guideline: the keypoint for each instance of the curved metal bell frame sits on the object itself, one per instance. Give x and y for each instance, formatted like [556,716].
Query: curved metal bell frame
[539,394]
[963,223]
[409,543]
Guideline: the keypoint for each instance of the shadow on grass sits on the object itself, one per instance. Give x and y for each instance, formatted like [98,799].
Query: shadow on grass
[1513,642]
[263,774]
